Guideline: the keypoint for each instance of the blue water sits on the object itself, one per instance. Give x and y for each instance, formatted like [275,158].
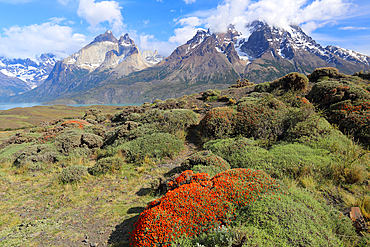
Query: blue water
[7,106]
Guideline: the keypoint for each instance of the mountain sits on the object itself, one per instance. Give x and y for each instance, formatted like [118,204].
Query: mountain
[115,71]
[32,73]
[104,57]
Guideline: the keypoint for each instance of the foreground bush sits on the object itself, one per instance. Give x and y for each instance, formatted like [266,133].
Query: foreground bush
[293,160]
[106,165]
[324,74]
[169,121]
[70,140]
[37,153]
[157,146]
[199,205]
[261,119]
[352,118]
[206,162]
[347,106]
[73,173]
[291,82]
[294,219]
[327,93]
[218,123]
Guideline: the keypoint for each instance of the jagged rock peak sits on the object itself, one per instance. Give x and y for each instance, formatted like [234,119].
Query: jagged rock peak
[199,37]
[126,40]
[107,36]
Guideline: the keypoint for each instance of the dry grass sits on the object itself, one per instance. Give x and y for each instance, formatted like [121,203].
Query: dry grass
[63,214]
[32,116]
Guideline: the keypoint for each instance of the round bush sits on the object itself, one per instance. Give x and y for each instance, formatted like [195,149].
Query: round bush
[73,173]
[37,153]
[199,206]
[157,146]
[291,82]
[169,121]
[205,161]
[352,117]
[262,119]
[106,165]
[218,123]
[324,74]
[294,219]
[240,152]
[327,93]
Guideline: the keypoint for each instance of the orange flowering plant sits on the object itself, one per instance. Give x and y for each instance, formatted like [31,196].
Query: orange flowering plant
[198,204]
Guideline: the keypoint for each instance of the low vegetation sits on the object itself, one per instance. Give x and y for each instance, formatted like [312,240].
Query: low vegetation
[273,164]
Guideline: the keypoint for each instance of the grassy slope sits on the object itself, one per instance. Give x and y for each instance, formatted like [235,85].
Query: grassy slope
[17,118]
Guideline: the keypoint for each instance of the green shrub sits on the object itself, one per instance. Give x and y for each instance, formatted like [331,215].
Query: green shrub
[73,173]
[36,153]
[327,93]
[95,115]
[291,82]
[210,93]
[169,121]
[9,153]
[261,119]
[106,165]
[218,123]
[69,140]
[323,74]
[125,132]
[297,160]
[293,219]
[240,152]
[96,130]
[292,160]
[157,146]
[263,87]
[352,118]
[206,162]
[122,115]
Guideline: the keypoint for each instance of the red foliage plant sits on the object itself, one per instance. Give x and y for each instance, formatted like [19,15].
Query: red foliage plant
[79,123]
[198,204]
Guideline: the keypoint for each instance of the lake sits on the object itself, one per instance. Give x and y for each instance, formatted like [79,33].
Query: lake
[7,106]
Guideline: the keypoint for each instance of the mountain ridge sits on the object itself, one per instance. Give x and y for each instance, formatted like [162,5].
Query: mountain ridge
[109,70]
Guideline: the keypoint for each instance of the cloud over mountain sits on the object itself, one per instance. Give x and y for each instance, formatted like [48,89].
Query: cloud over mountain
[105,11]
[33,40]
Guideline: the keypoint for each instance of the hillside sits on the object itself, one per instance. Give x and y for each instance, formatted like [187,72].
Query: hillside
[255,164]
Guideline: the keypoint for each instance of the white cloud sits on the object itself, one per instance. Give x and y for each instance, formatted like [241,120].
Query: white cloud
[189,1]
[312,14]
[354,28]
[100,12]
[31,41]
[148,42]
[231,12]
[190,27]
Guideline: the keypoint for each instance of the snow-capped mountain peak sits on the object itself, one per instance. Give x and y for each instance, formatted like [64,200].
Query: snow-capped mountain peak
[32,72]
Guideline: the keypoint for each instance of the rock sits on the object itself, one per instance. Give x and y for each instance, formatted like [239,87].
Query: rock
[354,213]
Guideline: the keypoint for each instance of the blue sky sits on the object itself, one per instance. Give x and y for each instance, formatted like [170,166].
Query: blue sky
[31,27]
